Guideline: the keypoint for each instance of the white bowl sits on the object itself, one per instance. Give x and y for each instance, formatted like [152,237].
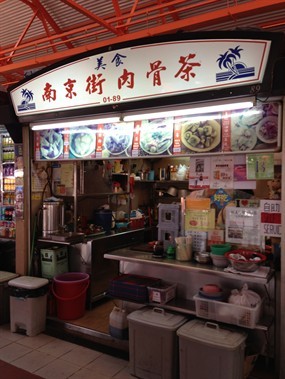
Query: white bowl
[219,260]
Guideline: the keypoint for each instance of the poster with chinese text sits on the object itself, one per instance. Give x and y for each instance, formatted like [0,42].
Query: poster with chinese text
[243,226]
[271,218]
[199,172]
[222,172]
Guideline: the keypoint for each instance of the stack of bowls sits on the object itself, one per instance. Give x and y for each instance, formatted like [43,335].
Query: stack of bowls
[218,252]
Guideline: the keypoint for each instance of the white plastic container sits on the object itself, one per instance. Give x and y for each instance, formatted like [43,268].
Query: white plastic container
[206,350]
[162,292]
[28,304]
[153,343]
[118,324]
[246,317]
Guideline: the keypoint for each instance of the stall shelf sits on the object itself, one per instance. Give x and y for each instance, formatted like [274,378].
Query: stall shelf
[187,306]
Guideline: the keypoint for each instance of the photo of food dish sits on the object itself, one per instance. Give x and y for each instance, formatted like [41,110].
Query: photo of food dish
[82,144]
[156,135]
[201,136]
[243,138]
[249,117]
[117,137]
[51,144]
[267,129]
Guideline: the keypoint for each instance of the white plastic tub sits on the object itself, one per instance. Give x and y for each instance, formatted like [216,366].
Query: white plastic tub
[153,343]
[206,350]
[245,317]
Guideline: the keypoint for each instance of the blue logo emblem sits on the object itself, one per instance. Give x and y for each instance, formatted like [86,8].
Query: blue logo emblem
[232,67]
[26,103]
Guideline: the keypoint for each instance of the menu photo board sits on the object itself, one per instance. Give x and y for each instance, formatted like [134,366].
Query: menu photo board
[256,128]
[253,129]
[153,137]
[65,143]
[114,140]
[80,142]
[197,134]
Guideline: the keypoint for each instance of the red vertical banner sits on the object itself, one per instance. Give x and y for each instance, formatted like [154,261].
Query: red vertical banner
[136,139]
[66,141]
[99,141]
[226,131]
[176,137]
[37,144]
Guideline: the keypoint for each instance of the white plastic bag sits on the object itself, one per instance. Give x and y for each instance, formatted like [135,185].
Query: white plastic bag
[244,297]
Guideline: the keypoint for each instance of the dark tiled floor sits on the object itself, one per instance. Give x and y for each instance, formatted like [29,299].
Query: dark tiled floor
[12,372]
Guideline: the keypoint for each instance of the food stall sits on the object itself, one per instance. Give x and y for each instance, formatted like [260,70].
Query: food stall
[216,99]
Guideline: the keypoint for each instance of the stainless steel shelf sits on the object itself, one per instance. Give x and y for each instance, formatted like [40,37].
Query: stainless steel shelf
[187,306]
[147,258]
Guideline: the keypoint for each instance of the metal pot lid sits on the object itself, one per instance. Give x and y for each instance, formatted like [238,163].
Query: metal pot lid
[172,191]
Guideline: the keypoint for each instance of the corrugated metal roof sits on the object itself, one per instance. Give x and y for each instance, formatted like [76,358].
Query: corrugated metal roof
[36,33]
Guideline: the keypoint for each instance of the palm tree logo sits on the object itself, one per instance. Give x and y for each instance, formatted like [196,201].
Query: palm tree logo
[27,97]
[230,60]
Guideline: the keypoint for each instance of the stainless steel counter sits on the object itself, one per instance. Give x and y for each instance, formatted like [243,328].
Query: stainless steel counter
[88,256]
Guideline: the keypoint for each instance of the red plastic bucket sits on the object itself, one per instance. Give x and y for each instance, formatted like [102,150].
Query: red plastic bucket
[69,290]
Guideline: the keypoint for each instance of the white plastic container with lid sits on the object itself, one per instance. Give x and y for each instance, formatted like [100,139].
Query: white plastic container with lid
[28,304]
[28,282]
[153,343]
[222,348]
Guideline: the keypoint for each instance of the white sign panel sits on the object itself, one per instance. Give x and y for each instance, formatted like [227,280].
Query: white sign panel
[243,225]
[144,72]
[270,217]
[222,172]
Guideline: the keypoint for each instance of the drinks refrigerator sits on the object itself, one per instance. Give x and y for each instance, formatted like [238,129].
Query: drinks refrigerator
[7,186]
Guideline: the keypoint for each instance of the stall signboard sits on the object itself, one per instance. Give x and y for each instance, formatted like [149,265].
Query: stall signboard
[143,72]
[256,129]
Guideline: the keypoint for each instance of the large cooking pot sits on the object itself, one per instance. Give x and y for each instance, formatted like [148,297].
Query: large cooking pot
[53,216]
[104,218]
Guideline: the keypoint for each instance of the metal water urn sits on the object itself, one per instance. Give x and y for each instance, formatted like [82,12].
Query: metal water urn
[53,216]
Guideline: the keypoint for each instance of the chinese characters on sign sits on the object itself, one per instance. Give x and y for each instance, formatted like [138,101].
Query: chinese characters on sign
[126,78]
[142,72]
[270,218]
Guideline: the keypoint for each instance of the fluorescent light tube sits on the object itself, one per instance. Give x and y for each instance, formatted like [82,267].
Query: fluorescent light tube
[189,111]
[73,123]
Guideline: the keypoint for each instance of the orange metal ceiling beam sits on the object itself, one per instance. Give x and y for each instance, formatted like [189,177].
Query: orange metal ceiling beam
[44,15]
[20,39]
[245,9]
[91,15]
[134,12]
[40,42]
